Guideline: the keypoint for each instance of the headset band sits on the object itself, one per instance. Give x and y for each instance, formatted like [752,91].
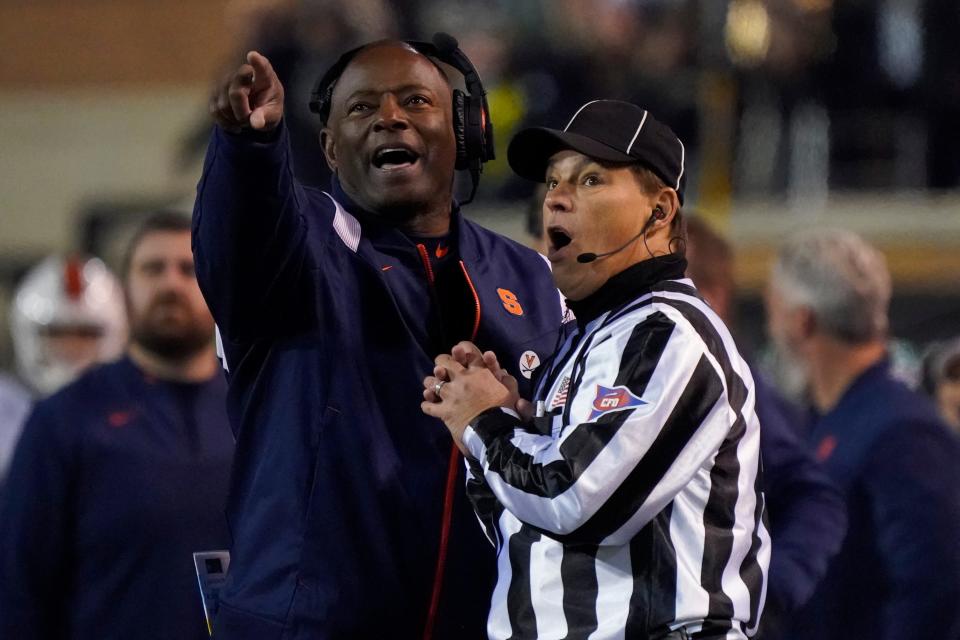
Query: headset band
[444,48]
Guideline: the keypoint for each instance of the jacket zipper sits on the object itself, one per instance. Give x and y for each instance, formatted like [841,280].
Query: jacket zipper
[453,470]
[476,301]
[426,263]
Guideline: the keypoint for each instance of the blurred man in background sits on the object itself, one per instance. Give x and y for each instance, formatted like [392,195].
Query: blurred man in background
[120,476]
[941,379]
[67,315]
[898,572]
[807,514]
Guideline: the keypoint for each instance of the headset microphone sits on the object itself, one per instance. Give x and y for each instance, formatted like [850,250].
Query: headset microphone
[584,258]
[658,214]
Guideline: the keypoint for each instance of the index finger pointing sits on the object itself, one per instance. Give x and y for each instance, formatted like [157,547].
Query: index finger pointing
[261,66]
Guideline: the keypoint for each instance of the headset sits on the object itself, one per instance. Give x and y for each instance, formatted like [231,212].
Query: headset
[656,215]
[471,114]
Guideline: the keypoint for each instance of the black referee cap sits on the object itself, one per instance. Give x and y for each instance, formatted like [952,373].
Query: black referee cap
[610,131]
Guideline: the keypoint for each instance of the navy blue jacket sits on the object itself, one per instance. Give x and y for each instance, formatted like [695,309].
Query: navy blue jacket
[897,576]
[116,481]
[808,517]
[329,322]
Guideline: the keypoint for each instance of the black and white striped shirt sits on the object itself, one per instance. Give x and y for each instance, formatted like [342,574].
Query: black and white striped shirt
[631,506]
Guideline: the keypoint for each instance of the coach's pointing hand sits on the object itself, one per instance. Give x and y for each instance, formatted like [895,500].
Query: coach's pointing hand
[250,97]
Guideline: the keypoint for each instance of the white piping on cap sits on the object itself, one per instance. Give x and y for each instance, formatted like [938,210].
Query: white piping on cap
[642,120]
[682,159]
[578,113]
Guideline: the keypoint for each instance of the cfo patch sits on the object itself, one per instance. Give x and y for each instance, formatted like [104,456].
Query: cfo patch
[611,399]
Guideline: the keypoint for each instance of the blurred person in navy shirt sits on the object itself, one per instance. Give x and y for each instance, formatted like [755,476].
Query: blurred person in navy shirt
[121,475]
[15,402]
[807,514]
[897,575]
[67,314]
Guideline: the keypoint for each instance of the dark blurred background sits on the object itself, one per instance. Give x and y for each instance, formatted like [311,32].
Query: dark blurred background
[795,113]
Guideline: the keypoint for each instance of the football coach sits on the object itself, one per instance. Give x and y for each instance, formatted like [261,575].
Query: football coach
[347,514]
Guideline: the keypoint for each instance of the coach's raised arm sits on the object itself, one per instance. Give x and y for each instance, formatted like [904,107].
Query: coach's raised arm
[248,235]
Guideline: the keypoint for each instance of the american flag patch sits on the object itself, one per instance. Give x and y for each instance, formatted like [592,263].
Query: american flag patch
[560,398]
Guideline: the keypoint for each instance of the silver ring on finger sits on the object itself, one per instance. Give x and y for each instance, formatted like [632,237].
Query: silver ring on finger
[438,386]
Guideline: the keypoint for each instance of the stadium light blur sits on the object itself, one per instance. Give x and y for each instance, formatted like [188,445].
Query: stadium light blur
[747,32]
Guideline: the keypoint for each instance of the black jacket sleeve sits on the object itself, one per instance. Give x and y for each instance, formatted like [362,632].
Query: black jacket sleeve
[249,234]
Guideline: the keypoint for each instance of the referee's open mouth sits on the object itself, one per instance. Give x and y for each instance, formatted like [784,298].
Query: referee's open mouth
[558,239]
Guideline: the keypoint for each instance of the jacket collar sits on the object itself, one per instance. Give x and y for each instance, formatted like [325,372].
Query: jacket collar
[629,284]
[385,235]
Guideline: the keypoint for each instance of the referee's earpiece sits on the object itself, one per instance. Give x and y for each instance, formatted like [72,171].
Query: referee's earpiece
[656,216]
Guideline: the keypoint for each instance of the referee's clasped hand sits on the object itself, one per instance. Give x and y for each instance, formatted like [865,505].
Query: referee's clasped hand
[464,384]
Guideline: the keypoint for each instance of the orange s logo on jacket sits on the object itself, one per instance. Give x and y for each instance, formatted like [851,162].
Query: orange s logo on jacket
[510,302]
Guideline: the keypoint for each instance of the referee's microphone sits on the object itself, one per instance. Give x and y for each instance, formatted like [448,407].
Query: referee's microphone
[658,214]
[584,258]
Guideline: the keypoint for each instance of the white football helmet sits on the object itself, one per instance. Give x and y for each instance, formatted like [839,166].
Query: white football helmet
[68,313]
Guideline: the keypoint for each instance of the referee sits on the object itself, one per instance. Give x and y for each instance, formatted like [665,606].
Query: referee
[623,501]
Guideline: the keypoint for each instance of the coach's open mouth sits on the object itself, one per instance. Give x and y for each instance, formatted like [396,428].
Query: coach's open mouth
[394,157]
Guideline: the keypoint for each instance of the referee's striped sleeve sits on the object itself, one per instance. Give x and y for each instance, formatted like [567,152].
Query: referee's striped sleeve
[604,480]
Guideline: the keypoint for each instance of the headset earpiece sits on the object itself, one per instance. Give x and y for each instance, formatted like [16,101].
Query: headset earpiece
[460,128]
[477,136]
[658,213]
